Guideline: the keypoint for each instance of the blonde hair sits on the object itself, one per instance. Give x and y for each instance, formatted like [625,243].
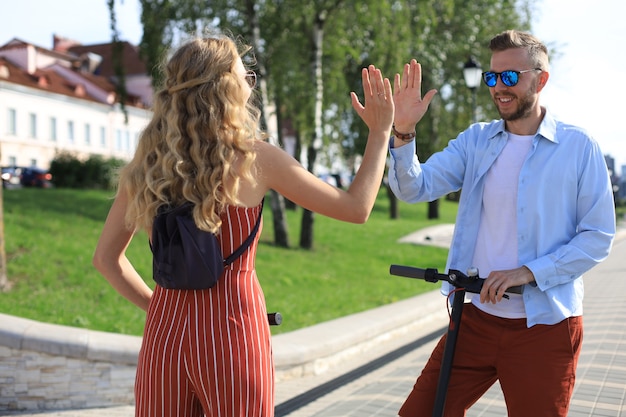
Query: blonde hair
[510,39]
[202,123]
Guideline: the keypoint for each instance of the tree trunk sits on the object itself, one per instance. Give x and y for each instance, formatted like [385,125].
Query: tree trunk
[269,121]
[286,126]
[308,217]
[435,113]
[433,210]
[393,203]
[306,232]
[306,235]
[277,204]
[281,237]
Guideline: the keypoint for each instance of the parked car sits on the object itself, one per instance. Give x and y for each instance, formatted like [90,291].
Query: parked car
[11,177]
[36,177]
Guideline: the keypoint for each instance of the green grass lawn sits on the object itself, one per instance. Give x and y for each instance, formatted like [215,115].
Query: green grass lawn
[50,235]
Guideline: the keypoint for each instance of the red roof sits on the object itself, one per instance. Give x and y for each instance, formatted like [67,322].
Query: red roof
[91,63]
[43,79]
[131,60]
[47,79]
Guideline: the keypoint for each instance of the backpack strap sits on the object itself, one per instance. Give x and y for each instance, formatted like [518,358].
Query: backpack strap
[236,254]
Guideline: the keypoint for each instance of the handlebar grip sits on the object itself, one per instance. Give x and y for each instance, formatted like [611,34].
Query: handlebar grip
[454,277]
[275,319]
[515,290]
[407,271]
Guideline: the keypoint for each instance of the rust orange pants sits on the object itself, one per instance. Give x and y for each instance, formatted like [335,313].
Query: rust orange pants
[206,352]
[535,366]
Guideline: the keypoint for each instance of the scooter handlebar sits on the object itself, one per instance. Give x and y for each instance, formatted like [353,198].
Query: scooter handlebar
[472,284]
[275,319]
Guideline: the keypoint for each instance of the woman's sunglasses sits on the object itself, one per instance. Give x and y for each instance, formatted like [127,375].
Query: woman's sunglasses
[508,77]
[251,78]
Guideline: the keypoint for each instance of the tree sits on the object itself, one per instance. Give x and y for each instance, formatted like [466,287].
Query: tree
[313,84]
[309,55]
[164,20]
[117,60]
[458,29]
[380,33]
[156,38]
[317,49]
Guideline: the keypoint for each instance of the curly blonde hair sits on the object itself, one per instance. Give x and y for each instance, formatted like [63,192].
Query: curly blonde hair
[201,124]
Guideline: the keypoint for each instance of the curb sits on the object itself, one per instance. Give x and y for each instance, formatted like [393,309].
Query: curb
[315,349]
[307,351]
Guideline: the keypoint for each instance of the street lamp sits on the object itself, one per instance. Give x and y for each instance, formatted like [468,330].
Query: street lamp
[472,72]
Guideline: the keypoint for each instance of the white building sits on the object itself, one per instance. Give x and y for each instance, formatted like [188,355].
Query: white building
[64,100]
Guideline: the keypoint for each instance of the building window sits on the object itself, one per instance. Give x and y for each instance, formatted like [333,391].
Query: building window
[33,125]
[103,136]
[70,131]
[53,129]
[12,122]
[87,134]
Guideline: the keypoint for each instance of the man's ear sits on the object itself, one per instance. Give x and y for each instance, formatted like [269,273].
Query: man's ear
[543,80]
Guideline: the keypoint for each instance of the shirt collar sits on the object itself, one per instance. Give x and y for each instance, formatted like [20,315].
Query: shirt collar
[547,128]
[495,129]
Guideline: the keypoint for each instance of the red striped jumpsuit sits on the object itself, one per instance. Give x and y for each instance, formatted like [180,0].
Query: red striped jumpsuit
[208,352]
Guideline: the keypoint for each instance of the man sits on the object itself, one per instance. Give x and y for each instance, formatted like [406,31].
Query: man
[536,210]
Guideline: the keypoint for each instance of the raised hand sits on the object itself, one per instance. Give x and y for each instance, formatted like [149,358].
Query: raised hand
[378,109]
[410,106]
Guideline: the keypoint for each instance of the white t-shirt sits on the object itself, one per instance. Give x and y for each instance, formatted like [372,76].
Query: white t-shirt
[496,244]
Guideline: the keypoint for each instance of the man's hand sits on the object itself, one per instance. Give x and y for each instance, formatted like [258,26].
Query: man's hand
[498,281]
[407,96]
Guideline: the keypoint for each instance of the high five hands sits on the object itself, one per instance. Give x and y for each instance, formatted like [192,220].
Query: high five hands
[410,106]
[378,109]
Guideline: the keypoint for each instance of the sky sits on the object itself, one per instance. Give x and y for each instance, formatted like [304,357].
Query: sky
[587,80]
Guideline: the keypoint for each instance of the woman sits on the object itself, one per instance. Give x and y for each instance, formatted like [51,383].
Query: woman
[209,351]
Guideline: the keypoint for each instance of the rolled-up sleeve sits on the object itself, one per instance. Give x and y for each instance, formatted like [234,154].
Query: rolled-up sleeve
[404,173]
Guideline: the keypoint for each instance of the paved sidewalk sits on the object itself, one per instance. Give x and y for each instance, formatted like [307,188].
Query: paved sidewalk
[601,377]
[362,388]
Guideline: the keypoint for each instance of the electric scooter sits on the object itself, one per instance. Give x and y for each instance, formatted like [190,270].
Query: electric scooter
[463,283]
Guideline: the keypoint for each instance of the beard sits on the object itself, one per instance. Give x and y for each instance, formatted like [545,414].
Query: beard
[525,104]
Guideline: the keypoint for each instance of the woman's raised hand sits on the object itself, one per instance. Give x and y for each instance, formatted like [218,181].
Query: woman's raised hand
[378,109]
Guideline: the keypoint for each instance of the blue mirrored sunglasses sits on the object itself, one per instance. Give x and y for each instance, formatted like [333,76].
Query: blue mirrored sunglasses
[508,77]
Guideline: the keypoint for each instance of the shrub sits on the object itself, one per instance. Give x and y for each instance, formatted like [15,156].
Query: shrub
[94,173]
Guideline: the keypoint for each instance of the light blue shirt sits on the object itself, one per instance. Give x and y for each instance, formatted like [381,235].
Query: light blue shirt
[565,209]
